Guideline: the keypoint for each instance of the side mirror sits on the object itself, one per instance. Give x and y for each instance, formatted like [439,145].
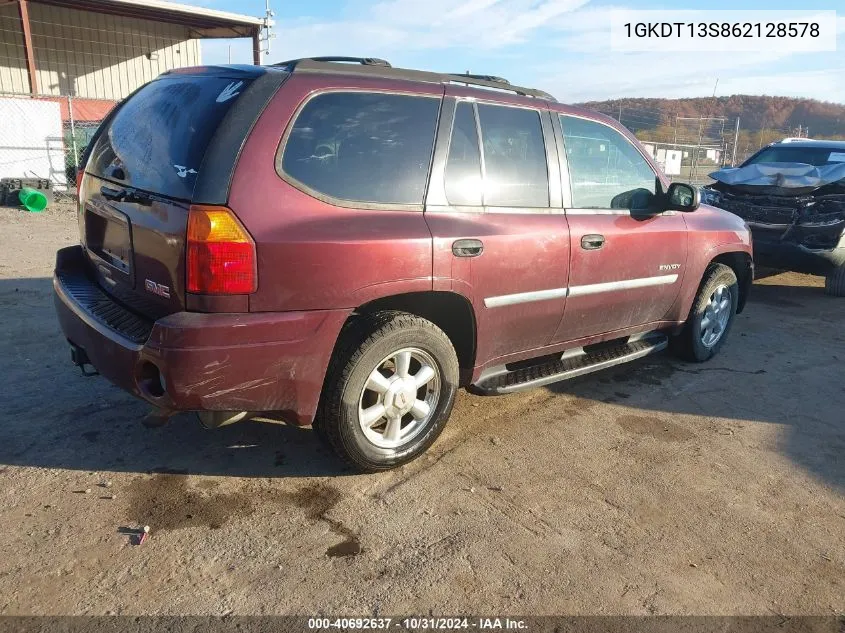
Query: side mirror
[683,197]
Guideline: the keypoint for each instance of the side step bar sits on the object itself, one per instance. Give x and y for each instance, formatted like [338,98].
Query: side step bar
[575,362]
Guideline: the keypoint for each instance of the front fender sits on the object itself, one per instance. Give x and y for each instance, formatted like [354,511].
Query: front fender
[722,252]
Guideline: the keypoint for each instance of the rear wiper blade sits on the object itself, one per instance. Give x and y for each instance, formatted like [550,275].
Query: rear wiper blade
[125,194]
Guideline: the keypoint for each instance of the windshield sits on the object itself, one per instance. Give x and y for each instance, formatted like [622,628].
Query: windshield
[816,156]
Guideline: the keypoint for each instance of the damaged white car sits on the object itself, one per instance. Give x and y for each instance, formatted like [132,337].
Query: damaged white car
[792,195]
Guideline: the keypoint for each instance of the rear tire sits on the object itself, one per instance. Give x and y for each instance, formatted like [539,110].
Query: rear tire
[834,282]
[711,316]
[389,390]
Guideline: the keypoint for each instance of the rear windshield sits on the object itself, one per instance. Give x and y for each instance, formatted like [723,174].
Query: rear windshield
[816,156]
[157,140]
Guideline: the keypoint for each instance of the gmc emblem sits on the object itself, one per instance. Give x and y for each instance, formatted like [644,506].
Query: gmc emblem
[157,289]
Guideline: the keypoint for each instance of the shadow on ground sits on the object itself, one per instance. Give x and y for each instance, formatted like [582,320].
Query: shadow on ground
[782,365]
[52,416]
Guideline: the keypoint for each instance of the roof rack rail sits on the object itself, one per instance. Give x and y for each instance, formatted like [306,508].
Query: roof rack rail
[374,67]
[498,83]
[498,80]
[363,61]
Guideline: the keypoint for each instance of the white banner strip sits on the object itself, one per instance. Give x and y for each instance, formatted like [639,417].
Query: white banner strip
[718,31]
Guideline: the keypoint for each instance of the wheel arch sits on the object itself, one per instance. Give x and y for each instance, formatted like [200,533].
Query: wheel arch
[743,267]
[451,312]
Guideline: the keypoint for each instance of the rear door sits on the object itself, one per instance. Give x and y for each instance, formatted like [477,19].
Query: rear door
[140,179]
[627,261]
[500,237]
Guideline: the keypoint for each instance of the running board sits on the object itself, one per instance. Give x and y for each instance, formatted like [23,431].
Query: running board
[575,362]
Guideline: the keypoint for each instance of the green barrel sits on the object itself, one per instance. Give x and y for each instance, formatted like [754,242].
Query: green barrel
[32,199]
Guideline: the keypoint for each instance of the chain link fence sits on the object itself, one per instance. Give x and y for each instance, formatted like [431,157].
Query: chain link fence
[42,140]
[689,149]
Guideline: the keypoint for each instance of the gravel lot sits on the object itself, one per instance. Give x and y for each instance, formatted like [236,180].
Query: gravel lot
[656,487]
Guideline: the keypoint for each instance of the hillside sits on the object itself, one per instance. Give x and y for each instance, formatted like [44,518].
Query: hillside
[785,114]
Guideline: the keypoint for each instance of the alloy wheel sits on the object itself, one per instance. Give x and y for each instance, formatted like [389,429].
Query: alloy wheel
[399,398]
[716,315]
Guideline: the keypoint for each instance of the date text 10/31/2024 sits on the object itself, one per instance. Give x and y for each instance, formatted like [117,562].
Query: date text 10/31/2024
[418,623]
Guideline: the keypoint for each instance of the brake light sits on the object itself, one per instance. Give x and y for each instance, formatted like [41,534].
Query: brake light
[220,253]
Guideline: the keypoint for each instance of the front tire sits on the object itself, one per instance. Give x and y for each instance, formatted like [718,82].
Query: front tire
[389,390]
[834,282]
[711,316]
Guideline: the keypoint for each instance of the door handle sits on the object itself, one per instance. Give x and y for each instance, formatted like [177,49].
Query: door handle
[592,242]
[467,248]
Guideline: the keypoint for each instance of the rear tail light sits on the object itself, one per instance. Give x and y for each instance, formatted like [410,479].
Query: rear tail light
[220,254]
[80,211]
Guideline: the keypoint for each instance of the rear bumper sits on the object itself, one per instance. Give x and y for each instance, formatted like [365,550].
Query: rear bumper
[219,362]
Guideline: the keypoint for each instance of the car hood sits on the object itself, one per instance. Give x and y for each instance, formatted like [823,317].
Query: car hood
[785,202]
[779,178]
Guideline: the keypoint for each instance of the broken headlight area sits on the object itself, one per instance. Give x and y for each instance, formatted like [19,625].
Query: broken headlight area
[711,196]
[786,202]
[817,222]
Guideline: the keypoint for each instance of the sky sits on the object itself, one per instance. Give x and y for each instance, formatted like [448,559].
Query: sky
[560,46]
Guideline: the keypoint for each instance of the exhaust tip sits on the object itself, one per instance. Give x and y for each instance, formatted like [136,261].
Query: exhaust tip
[157,418]
[152,381]
[216,419]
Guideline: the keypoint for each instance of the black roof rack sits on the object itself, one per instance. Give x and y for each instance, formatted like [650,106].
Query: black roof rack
[364,61]
[498,80]
[374,67]
[490,81]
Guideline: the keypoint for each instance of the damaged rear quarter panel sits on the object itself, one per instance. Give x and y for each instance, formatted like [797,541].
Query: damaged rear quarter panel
[270,361]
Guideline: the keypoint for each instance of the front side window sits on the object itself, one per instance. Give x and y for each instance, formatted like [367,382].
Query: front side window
[363,147]
[605,169]
[516,173]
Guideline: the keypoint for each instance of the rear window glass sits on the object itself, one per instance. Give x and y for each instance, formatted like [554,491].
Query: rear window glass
[816,156]
[463,167]
[363,147]
[157,140]
[514,157]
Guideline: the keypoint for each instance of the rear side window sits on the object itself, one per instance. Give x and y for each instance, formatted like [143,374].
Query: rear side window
[158,138]
[363,147]
[515,171]
[606,171]
[463,167]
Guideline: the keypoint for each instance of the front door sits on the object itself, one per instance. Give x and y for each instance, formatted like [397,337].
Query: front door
[500,235]
[627,261]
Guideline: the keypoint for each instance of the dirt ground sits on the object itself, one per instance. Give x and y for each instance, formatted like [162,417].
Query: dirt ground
[656,487]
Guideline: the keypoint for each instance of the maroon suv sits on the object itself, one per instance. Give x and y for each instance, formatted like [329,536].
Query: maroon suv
[345,244]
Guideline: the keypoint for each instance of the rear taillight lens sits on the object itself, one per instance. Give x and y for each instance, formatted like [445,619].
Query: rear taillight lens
[220,254]
[80,210]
